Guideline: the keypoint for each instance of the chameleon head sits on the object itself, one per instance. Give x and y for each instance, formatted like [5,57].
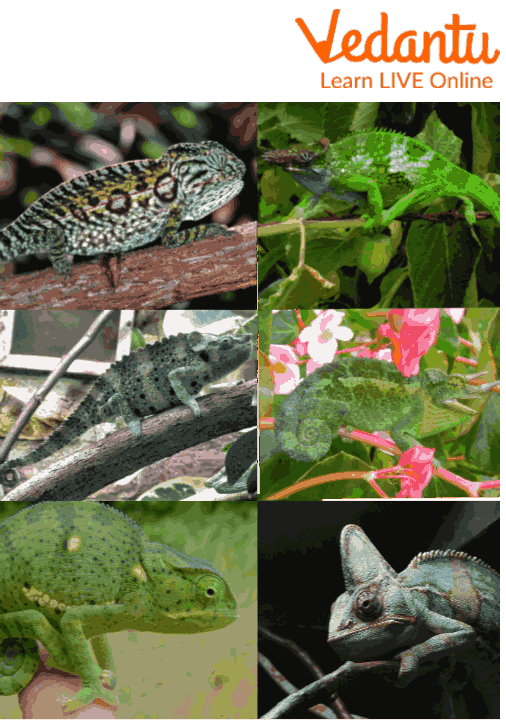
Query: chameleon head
[209,176]
[224,352]
[445,389]
[374,615]
[186,594]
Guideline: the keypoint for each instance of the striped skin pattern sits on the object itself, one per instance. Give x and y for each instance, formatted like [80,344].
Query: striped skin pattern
[161,376]
[120,207]
[78,570]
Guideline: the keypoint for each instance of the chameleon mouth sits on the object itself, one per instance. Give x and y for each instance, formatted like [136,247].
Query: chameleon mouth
[203,614]
[202,621]
[384,622]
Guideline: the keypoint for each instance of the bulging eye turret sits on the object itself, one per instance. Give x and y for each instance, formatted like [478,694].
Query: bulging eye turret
[367,605]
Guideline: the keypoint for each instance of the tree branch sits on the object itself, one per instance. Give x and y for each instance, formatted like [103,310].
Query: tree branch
[151,277]
[323,689]
[79,474]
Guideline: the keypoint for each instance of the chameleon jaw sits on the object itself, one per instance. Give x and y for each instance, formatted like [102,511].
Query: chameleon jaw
[384,635]
[384,622]
[472,392]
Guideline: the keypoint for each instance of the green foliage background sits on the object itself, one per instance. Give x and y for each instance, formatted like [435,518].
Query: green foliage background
[416,264]
[478,444]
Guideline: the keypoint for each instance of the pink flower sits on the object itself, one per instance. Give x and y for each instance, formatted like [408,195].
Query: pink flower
[285,368]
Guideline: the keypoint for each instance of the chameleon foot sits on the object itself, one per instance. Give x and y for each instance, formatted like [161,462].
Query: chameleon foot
[87,695]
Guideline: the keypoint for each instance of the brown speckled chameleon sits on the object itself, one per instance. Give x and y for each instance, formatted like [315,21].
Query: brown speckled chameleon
[121,207]
[163,375]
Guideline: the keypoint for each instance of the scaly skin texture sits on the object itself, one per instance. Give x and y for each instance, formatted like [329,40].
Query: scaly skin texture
[163,375]
[444,603]
[120,207]
[299,163]
[78,570]
[393,171]
[370,395]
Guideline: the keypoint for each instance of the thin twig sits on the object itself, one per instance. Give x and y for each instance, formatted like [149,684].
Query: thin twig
[38,398]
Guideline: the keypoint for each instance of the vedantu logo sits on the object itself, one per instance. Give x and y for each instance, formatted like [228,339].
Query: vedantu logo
[405,46]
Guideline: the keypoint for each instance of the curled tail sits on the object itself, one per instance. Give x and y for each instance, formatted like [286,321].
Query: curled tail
[301,434]
[19,659]
[85,416]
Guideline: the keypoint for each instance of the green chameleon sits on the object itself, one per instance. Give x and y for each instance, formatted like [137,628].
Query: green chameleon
[371,395]
[393,170]
[78,570]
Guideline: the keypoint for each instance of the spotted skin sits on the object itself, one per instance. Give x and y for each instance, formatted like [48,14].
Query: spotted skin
[78,570]
[121,207]
[163,375]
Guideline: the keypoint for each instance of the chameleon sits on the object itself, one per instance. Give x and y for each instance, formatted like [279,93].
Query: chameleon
[121,207]
[444,603]
[391,170]
[298,162]
[371,395]
[72,571]
[161,376]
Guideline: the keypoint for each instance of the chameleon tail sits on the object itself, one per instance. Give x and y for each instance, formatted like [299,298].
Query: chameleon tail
[308,439]
[477,189]
[84,417]
[19,659]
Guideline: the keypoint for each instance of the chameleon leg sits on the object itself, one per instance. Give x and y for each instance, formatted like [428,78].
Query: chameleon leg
[369,186]
[478,190]
[425,195]
[55,244]
[176,377]
[402,439]
[117,405]
[81,657]
[171,238]
[103,653]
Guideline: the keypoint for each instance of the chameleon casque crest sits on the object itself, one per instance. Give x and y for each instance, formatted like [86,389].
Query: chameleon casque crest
[444,603]
[121,207]
[78,570]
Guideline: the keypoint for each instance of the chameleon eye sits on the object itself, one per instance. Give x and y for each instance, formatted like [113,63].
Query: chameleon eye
[367,605]
[208,589]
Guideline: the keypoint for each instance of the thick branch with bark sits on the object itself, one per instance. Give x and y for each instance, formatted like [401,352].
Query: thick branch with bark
[151,277]
[77,475]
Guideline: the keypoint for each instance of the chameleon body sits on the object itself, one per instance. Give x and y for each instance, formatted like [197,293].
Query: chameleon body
[120,207]
[78,570]
[444,603]
[393,172]
[370,395]
[161,376]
